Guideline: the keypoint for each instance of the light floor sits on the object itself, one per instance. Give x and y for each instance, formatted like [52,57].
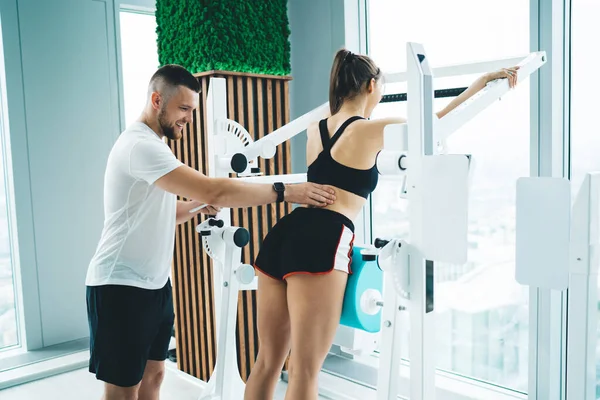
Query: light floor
[81,385]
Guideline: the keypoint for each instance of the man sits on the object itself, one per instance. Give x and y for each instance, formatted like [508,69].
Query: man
[129,299]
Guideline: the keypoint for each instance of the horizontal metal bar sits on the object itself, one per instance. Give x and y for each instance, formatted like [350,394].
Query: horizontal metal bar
[485,97]
[287,131]
[460,69]
[438,94]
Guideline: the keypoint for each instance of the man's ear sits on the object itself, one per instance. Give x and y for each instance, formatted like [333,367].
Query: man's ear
[156,100]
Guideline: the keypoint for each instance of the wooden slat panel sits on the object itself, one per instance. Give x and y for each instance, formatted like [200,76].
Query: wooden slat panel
[240,117]
[183,350]
[261,133]
[271,126]
[203,354]
[185,242]
[254,235]
[281,151]
[178,301]
[194,251]
[287,145]
[270,121]
[260,104]
[210,353]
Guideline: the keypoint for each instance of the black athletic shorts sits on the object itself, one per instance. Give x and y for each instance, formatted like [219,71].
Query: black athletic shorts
[128,326]
[307,241]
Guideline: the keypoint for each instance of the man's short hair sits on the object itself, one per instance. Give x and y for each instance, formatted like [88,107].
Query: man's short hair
[169,76]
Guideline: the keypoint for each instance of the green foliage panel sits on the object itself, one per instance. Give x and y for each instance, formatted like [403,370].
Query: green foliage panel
[230,35]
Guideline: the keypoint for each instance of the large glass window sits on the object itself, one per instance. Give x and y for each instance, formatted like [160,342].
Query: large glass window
[140,60]
[585,135]
[9,321]
[482,313]
[9,336]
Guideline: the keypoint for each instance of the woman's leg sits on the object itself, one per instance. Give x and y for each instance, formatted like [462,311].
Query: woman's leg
[315,306]
[273,337]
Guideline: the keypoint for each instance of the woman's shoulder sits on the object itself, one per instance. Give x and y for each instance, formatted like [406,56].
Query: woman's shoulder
[313,128]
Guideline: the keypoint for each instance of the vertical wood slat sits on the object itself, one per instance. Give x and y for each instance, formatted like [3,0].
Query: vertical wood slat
[262,127]
[260,104]
[192,272]
[186,272]
[194,249]
[286,119]
[178,304]
[252,347]
[210,352]
[282,153]
[240,117]
[271,125]
[204,308]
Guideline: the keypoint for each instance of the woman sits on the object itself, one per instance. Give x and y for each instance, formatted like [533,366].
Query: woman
[304,262]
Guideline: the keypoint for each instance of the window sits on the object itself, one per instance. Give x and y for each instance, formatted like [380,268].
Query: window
[140,60]
[482,313]
[9,321]
[585,140]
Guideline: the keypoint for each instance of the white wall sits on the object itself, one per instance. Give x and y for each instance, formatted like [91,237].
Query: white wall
[317,28]
[64,114]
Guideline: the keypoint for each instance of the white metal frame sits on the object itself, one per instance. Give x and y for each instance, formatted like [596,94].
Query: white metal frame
[422,135]
[420,145]
[549,117]
[583,292]
[576,244]
[223,244]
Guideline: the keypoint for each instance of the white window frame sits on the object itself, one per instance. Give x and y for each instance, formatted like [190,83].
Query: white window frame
[25,256]
[6,159]
[549,156]
[134,9]
[550,103]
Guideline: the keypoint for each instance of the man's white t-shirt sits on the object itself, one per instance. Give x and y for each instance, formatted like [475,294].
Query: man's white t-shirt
[136,246]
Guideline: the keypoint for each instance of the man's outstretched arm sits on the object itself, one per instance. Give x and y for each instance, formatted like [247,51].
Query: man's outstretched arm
[226,192]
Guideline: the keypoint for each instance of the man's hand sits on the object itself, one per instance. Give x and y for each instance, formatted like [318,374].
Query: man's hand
[187,210]
[310,194]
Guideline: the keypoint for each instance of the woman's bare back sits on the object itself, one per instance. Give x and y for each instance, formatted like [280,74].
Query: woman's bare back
[356,148]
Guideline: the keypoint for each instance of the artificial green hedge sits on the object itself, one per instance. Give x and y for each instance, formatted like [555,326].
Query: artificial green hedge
[230,35]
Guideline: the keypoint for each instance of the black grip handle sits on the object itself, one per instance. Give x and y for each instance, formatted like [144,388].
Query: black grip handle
[241,237]
[216,222]
[379,243]
[239,163]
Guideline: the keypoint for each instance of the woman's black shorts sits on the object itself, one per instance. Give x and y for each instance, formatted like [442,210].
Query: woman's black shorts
[307,241]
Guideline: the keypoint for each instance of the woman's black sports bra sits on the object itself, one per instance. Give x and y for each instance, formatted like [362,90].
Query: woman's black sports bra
[326,171]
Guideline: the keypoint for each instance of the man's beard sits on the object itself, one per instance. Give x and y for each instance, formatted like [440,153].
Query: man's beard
[167,129]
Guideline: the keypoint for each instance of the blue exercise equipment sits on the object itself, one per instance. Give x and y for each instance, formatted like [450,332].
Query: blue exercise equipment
[365,283]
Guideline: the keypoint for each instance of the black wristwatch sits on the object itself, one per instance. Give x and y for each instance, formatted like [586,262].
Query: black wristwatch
[279,188]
